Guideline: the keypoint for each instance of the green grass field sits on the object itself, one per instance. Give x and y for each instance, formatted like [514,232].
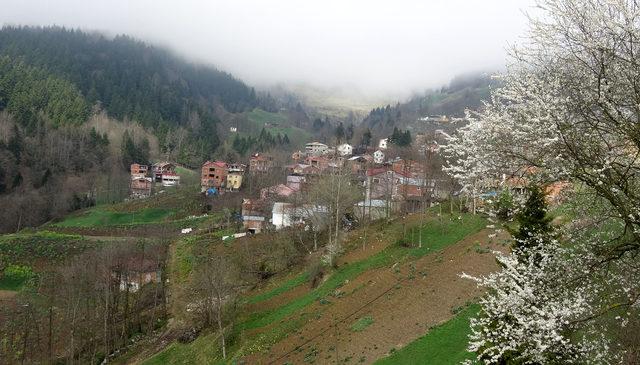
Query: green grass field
[99,217]
[259,117]
[443,345]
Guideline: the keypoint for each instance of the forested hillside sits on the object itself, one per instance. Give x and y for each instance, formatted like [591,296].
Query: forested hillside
[463,92]
[53,80]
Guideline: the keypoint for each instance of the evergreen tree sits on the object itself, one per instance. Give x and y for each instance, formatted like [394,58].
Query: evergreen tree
[340,132]
[366,138]
[535,225]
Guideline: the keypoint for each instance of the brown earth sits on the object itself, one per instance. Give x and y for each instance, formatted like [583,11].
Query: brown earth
[404,301]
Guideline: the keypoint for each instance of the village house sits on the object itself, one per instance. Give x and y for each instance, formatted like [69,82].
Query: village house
[234,181]
[359,164]
[345,149]
[298,156]
[296,182]
[408,166]
[319,162]
[138,170]
[259,163]
[235,175]
[140,187]
[383,143]
[170,179]
[287,215]
[165,173]
[253,215]
[316,149]
[303,169]
[373,209]
[277,191]
[214,175]
[378,157]
[282,215]
[161,168]
[384,183]
[140,272]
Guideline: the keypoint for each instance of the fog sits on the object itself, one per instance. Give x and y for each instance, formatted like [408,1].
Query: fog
[377,47]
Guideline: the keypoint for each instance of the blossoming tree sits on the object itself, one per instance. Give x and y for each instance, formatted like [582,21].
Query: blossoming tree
[569,109]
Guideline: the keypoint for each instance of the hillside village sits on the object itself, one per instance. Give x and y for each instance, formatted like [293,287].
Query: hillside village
[155,210]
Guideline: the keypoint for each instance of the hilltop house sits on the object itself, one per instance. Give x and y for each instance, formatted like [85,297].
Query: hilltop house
[383,143]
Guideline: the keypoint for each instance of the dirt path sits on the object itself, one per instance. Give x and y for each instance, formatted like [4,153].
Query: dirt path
[404,302]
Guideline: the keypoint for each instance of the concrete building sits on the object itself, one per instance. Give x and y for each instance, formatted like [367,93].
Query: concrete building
[345,149]
[160,168]
[140,187]
[316,149]
[259,163]
[378,157]
[213,174]
[138,170]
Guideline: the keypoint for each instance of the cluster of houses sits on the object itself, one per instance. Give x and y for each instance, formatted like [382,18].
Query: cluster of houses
[143,178]
[389,185]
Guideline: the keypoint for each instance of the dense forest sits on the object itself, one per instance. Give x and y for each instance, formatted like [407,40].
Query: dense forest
[53,80]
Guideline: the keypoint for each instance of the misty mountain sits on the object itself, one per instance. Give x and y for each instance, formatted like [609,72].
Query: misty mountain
[130,79]
[463,92]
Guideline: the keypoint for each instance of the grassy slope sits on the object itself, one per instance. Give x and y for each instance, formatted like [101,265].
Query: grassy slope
[436,236]
[259,117]
[445,344]
[100,217]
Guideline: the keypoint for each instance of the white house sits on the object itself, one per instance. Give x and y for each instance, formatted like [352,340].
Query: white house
[316,149]
[383,143]
[378,157]
[286,214]
[345,149]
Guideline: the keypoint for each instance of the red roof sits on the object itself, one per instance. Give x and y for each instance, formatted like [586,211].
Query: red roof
[376,171]
[215,163]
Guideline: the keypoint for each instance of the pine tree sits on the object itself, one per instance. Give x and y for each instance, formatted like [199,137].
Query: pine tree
[535,225]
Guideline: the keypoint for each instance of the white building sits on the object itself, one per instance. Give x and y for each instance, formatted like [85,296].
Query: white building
[383,143]
[169,179]
[345,149]
[378,157]
[316,149]
[287,215]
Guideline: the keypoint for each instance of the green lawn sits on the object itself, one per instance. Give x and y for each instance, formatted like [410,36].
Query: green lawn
[99,216]
[445,344]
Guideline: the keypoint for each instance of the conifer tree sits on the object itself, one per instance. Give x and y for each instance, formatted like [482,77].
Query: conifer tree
[535,225]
